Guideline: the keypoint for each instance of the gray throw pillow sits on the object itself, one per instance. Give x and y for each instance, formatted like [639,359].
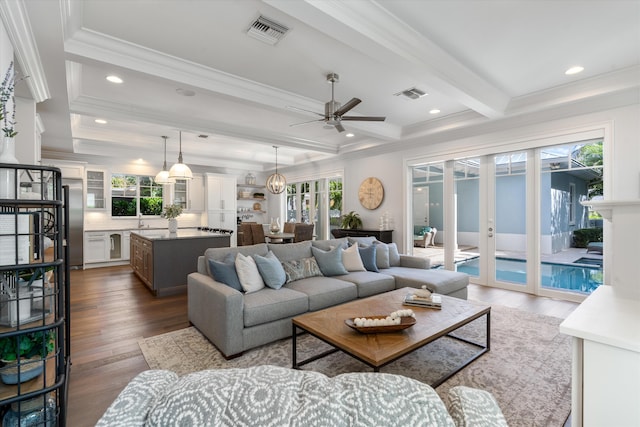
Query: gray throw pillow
[225,272]
[382,255]
[301,269]
[330,262]
[271,270]
[394,256]
[362,241]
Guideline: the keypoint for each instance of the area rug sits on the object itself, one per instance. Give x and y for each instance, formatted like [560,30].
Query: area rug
[528,369]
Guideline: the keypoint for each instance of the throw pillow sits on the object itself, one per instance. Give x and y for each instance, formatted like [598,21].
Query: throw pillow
[351,259]
[382,255]
[298,269]
[394,256]
[271,270]
[368,257]
[225,272]
[248,273]
[362,241]
[330,262]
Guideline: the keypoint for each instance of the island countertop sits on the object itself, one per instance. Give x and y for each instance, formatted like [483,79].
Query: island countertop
[182,233]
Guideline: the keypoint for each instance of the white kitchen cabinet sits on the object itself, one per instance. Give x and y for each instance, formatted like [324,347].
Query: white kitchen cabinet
[224,219]
[220,192]
[187,193]
[96,193]
[97,247]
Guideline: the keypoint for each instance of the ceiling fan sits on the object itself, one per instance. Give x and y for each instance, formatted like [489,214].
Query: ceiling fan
[334,112]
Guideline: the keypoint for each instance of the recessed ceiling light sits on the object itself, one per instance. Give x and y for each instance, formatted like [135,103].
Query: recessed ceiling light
[349,135]
[101,121]
[434,111]
[185,92]
[114,79]
[574,70]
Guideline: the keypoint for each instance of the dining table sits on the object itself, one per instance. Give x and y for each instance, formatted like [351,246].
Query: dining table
[280,237]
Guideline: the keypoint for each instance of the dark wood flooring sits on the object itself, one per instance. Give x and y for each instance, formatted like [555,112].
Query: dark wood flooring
[111,309]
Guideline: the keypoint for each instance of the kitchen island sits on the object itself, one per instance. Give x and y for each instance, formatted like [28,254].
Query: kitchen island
[162,260]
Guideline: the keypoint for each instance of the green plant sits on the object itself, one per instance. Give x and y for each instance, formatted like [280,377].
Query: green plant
[582,236]
[351,220]
[171,211]
[27,345]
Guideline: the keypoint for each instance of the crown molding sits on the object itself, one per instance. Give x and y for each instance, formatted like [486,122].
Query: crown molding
[18,26]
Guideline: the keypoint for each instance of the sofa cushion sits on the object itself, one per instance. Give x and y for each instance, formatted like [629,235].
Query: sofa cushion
[274,396]
[225,272]
[370,283]
[301,269]
[368,257]
[248,273]
[271,270]
[394,255]
[325,245]
[351,259]
[439,281]
[324,292]
[291,251]
[269,304]
[330,262]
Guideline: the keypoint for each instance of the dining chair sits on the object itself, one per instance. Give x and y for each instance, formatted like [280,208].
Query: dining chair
[289,227]
[303,232]
[247,235]
[257,233]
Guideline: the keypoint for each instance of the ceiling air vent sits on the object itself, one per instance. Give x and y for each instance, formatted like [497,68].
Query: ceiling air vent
[266,30]
[413,93]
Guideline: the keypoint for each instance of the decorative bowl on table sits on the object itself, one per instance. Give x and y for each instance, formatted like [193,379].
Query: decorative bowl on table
[405,322]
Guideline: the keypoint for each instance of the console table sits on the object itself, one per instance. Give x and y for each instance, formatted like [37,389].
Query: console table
[384,236]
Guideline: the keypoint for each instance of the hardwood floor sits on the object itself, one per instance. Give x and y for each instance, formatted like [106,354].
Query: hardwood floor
[111,309]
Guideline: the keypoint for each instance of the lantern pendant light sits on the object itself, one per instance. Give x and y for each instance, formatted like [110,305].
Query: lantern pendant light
[276,183]
[163,176]
[180,170]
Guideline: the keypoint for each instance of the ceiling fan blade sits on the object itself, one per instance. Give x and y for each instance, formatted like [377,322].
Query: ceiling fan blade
[348,106]
[290,107]
[304,123]
[339,127]
[363,118]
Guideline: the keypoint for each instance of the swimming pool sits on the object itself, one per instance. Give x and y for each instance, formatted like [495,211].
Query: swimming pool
[567,277]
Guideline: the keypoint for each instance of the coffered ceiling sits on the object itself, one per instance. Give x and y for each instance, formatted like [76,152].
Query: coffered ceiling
[479,61]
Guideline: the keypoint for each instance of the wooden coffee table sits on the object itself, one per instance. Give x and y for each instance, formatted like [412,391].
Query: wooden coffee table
[378,350]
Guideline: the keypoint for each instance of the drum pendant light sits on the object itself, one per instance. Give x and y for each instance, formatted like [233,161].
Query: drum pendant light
[163,176]
[180,170]
[276,183]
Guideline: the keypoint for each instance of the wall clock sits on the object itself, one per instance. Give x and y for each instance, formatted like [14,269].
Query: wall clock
[371,193]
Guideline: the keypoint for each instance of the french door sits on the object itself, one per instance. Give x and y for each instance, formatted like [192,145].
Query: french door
[508,219]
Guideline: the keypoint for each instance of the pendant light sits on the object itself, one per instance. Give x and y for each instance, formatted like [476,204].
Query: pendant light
[276,183]
[180,170]
[163,176]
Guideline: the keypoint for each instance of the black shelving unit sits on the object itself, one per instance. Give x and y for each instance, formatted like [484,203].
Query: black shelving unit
[34,294]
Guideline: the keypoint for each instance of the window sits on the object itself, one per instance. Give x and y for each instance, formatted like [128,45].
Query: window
[318,202]
[133,195]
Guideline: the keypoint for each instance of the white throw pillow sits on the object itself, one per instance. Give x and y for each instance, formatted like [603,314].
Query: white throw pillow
[250,278]
[351,259]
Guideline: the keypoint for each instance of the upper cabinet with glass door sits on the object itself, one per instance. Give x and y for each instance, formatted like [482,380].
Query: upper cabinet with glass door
[189,194]
[95,190]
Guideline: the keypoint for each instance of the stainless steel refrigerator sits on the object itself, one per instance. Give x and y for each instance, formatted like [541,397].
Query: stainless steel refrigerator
[76,222]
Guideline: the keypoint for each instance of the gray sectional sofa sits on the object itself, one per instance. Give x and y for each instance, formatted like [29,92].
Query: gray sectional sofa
[235,321]
[274,396]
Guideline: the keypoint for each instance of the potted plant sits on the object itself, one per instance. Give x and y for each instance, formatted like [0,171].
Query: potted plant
[171,212]
[351,221]
[30,348]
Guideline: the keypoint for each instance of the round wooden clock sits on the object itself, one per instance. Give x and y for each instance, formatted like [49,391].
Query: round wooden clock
[371,193]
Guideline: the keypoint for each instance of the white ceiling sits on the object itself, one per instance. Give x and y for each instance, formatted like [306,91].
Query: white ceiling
[478,60]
